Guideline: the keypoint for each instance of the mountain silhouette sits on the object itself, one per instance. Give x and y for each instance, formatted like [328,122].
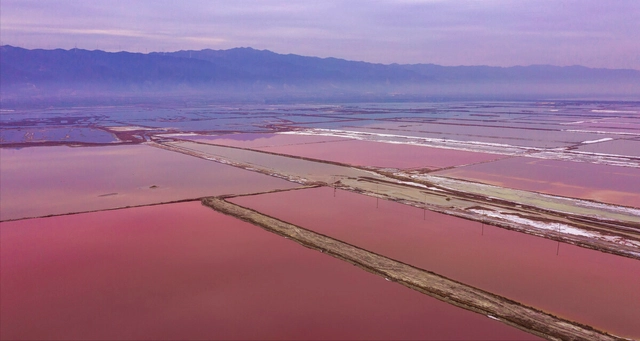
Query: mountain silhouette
[37,71]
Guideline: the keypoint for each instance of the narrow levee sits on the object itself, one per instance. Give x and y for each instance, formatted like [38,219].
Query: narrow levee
[456,293]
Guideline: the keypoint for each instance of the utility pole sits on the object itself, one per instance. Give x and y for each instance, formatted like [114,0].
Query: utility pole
[334,186]
[558,247]
[424,208]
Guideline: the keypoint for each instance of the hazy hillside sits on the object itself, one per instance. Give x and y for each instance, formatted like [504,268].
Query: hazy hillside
[250,72]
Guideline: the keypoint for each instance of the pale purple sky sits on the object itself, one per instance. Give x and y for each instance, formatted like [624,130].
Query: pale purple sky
[595,33]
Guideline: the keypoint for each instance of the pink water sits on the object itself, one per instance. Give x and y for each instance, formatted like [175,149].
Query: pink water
[39,181]
[587,286]
[183,271]
[257,140]
[610,184]
[386,155]
[348,151]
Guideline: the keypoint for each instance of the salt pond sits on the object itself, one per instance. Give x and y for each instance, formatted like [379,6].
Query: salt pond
[184,271]
[579,284]
[38,181]
[604,183]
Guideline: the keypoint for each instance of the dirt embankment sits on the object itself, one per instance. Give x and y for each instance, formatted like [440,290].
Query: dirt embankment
[432,197]
[507,311]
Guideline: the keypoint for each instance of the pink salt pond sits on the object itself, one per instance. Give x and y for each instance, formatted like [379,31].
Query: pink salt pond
[384,155]
[583,285]
[609,184]
[353,152]
[259,140]
[39,181]
[183,271]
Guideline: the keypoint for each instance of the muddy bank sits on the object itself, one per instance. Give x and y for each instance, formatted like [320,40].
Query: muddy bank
[431,196]
[464,296]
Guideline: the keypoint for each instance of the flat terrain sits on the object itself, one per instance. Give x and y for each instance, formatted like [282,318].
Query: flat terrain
[517,266]
[183,271]
[602,183]
[442,288]
[85,179]
[349,151]
[521,219]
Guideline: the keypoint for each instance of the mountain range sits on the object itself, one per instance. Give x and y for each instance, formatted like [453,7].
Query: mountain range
[262,73]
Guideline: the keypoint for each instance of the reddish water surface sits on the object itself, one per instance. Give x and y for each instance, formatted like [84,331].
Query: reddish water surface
[610,184]
[587,286]
[378,154]
[617,147]
[183,271]
[626,124]
[255,140]
[38,181]
[349,151]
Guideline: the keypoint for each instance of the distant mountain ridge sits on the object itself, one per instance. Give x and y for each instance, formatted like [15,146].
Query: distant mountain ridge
[246,69]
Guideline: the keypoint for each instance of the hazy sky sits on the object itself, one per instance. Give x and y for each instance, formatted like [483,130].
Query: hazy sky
[596,33]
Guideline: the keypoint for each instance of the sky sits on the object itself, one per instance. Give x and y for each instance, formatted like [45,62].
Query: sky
[593,33]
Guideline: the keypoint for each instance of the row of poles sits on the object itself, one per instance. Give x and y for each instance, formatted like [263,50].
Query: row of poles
[424,210]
